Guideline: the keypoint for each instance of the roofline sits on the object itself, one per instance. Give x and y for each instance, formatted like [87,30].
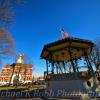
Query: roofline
[64,40]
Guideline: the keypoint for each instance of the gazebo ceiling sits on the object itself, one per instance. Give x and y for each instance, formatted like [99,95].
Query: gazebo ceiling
[59,50]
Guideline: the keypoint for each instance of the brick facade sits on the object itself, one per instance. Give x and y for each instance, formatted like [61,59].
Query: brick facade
[9,73]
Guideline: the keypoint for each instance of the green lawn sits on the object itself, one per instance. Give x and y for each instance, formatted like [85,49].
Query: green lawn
[28,87]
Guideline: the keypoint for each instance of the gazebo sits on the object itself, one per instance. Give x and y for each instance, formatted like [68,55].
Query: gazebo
[64,59]
[69,50]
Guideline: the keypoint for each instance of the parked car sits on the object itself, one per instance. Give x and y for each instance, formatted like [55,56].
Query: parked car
[40,82]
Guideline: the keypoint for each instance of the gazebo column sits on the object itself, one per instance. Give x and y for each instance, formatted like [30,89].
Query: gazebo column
[57,68]
[60,68]
[64,66]
[76,65]
[52,65]
[87,61]
[47,65]
[72,63]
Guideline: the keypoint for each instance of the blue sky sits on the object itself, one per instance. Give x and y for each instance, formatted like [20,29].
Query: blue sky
[38,22]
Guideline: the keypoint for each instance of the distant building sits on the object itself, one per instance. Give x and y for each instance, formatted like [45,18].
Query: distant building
[17,72]
[38,78]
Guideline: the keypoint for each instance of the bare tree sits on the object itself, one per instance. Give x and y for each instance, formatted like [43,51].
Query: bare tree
[7,11]
[95,55]
[7,44]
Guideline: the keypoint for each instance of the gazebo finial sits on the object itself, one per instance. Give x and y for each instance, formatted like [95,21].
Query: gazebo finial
[64,34]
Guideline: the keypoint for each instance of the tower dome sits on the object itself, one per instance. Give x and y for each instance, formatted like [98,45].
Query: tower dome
[20,58]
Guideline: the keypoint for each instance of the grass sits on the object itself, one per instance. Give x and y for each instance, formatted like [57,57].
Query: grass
[28,87]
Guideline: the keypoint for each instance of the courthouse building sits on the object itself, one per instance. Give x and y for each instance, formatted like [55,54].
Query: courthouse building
[17,72]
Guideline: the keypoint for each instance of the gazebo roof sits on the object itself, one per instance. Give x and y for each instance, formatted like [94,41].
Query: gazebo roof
[58,50]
